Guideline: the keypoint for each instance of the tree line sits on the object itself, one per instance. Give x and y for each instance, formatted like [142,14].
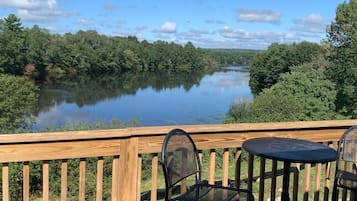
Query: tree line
[34,51]
[306,81]
[89,53]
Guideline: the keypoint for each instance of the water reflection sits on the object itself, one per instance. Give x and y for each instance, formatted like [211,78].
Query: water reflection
[150,98]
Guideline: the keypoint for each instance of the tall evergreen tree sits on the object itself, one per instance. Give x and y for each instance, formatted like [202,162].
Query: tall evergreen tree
[12,57]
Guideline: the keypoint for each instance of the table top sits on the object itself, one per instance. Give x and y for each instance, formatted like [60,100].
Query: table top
[290,150]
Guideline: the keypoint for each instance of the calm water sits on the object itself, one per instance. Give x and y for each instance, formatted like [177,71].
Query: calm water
[151,101]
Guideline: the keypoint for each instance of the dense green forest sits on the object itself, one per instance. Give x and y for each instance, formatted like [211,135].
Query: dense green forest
[36,52]
[306,81]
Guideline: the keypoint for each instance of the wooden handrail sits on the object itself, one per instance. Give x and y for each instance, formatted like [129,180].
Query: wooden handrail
[127,144]
[162,130]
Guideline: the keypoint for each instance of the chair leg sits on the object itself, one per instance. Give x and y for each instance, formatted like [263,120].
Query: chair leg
[334,193]
[353,195]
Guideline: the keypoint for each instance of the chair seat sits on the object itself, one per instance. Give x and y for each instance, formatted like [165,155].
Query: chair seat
[346,179]
[204,191]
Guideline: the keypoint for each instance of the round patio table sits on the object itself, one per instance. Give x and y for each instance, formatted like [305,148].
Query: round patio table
[289,151]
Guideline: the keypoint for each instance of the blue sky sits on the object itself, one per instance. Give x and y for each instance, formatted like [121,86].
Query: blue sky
[247,24]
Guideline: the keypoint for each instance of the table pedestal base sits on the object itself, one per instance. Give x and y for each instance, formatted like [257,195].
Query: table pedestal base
[286,178]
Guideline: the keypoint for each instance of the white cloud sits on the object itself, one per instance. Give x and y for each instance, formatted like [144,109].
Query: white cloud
[84,22]
[29,4]
[228,32]
[168,27]
[259,39]
[312,23]
[35,10]
[310,19]
[264,16]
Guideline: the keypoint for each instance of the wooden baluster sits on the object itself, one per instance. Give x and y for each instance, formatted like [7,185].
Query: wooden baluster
[154,169]
[45,180]
[5,182]
[307,181]
[64,173]
[26,181]
[115,179]
[200,156]
[82,179]
[99,185]
[238,159]
[140,162]
[327,184]
[317,182]
[212,166]
[225,167]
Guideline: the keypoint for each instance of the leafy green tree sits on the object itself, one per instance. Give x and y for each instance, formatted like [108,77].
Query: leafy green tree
[37,43]
[12,56]
[301,95]
[314,93]
[267,66]
[266,107]
[17,102]
[342,37]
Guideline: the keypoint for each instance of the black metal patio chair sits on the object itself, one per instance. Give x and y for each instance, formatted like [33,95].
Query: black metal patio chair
[346,169]
[182,167]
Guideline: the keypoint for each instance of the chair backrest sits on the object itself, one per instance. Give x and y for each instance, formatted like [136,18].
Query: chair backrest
[347,147]
[346,169]
[180,159]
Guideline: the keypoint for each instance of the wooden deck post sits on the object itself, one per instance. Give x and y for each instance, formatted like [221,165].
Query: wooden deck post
[128,170]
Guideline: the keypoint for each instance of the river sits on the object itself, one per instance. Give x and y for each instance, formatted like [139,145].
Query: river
[151,101]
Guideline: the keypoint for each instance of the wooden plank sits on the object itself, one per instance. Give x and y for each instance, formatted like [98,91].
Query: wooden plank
[317,182]
[45,181]
[64,173]
[163,130]
[140,161]
[58,150]
[205,141]
[82,179]
[154,169]
[225,167]
[327,184]
[238,159]
[128,169]
[99,185]
[212,166]
[115,178]
[200,155]
[5,182]
[26,181]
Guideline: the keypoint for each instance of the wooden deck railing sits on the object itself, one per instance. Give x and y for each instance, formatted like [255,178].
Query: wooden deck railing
[134,151]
